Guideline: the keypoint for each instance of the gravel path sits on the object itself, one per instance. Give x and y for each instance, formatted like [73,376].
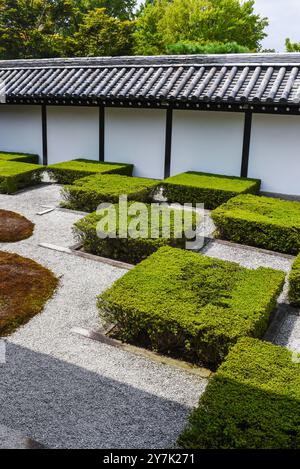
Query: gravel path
[66,391]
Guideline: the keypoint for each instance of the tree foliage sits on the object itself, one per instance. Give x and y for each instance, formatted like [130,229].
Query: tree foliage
[185,47]
[164,22]
[292,46]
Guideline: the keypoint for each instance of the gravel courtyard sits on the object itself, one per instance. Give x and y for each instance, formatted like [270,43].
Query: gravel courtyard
[67,391]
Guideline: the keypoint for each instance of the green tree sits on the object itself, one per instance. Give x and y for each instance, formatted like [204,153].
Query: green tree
[182,48]
[36,28]
[164,22]
[101,34]
[292,46]
[123,9]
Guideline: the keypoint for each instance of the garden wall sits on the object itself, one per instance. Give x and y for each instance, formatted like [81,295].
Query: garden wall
[21,129]
[207,141]
[274,155]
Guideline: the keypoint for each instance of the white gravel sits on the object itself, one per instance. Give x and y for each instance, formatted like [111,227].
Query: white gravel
[66,391]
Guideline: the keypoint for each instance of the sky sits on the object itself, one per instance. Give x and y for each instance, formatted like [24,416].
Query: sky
[284,21]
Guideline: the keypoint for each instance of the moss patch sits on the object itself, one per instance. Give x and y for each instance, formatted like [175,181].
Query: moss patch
[25,287]
[14,227]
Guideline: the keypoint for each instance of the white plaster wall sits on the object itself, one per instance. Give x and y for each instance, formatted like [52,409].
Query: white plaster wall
[73,132]
[136,136]
[207,141]
[275,153]
[21,129]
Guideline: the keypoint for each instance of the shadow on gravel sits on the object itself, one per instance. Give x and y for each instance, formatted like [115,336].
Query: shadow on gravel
[64,406]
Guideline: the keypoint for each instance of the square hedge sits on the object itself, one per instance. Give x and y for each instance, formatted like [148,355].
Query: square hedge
[20,157]
[133,249]
[294,283]
[210,189]
[86,194]
[15,176]
[252,402]
[191,306]
[263,222]
[67,172]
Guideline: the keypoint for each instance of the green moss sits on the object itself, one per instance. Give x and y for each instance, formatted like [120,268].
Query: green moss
[253,401]
[294,283]
[191,306]
[24,289]
[20,157]
[210,189]
[15,176]
[87,193]
[67,172]
[129,249]
[264,222]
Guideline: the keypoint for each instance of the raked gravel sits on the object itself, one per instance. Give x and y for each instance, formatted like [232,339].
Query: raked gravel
[66,391]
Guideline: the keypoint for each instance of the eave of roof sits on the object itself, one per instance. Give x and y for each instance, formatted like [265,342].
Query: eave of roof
[272,79]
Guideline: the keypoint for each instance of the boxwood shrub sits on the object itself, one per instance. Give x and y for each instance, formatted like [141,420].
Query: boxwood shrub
[67,172]
[87,193]
[20,157]
[252,402]
[15,176]
[263,222]
[191,306]
[132,249]
[210,189]
[294,283]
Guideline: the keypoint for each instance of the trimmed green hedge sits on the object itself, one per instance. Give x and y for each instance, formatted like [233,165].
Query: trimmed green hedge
[19,157]
[191,306]
[294,283]
[15,176]
[263,222]
[87,193]
[69,171]
[132,250]
[210,189]
[252,402]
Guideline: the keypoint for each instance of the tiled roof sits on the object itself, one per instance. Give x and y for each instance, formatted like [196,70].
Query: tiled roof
[237,78]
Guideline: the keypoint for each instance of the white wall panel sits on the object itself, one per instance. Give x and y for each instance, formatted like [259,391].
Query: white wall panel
[275,153]
[21,129]
[73,132]
[207,141]
[136,136]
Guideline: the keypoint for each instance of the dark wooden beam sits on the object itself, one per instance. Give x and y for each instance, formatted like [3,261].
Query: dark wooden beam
[44,135]
[101,133]
[168,148]
[246,144]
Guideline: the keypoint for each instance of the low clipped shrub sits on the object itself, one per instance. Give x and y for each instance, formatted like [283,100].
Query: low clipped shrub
[294,283]
[87,193]
[69,171]
[210,189]
[14,227]
[15,176]
[20,157]
[252,402]
[263,222]
[24,289]
[191,306]
[145,242]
